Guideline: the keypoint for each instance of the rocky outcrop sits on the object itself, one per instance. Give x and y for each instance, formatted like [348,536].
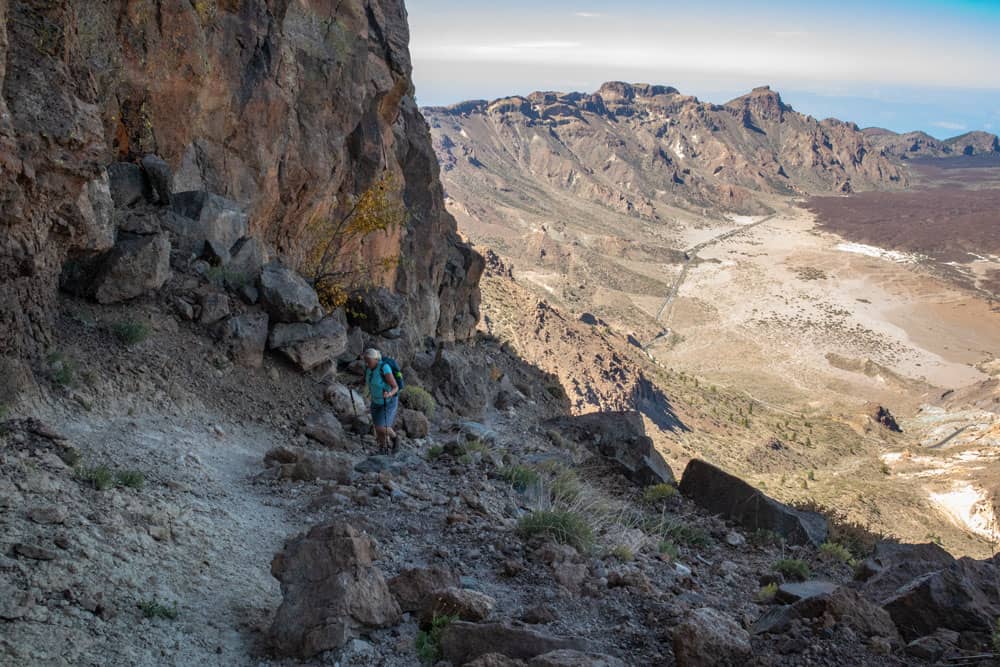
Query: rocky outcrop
[725,494]
[709,637]
[287,109]
[920,144]
[330,591]
[462,642]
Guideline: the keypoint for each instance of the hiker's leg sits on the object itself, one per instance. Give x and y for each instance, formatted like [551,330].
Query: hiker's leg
[381,438]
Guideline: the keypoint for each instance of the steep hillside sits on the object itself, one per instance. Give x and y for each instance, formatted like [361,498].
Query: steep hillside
[641,149]
[288,108]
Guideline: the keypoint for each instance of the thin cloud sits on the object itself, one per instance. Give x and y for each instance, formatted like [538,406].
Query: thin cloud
[587,15]
[947,125]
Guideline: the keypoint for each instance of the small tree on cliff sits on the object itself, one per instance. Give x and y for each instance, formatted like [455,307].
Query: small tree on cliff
[335,262]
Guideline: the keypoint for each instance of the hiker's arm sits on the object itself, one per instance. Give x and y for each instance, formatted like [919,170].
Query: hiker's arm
[391,381]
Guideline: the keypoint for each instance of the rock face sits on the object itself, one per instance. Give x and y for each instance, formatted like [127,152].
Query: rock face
[307,112]
[920,144]
[621,437]
[725,494]
[330,591]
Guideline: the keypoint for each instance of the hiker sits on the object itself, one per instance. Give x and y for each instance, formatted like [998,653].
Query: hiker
[384,392]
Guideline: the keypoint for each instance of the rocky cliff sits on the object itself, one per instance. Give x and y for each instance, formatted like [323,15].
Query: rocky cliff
[920,144]
[641,149]
[287,107]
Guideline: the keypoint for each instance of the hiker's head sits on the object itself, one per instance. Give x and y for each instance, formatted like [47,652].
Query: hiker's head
[372,357]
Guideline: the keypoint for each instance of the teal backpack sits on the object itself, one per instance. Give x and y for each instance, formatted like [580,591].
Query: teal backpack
[396,372]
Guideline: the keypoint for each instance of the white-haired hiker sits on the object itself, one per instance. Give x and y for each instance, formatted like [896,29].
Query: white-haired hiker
[384,392]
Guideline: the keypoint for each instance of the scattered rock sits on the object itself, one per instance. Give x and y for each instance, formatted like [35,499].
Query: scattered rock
[324,427]
[893,565]
[933,648]
[415,423]
[539,615]
[375,310]
[246,259]
[466,604]
[184,308]
[128,184]
[214,308]
[34,552]
[790,593]
[134,266]
[414,588]
[347,403]
[722,493]
[621,438]
[709,637]
[309,345]
[571,658]
[160,177]
[304,465]
[245,337]
[331,591]
[288,297]
[843,605]
[735,539]
[462,641]
[48,514]
[203,217]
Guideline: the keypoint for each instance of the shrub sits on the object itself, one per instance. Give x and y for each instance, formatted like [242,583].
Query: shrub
[835,551]
[557,439]
[763,537]
[792,568]
[564,527]
[659,493]
[556,391]
[623,553]
[62,368]
[333,261]
[668,548]
[684,534]
[132,479]
[100,477]
[428,642]
[417,398]
[155,609]
[435,452]
[520,477]
[565,486]
[130,332]
[767,593]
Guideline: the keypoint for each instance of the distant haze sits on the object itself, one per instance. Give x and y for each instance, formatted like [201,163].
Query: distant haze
[901,64]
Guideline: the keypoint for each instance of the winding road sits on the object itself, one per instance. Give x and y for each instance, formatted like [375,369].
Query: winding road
[663,314]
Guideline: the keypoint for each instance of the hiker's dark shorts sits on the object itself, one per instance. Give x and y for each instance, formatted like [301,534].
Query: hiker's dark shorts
[385,415]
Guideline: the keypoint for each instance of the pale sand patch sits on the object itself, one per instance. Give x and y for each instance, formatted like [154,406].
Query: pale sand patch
[970,508]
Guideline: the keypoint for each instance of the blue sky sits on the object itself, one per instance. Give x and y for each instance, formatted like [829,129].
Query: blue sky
[904,65]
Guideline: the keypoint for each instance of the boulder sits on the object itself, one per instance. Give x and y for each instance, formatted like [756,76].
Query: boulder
[843,605]
[128,184]
[933,648]
[462,642]
[789,593]
[246,259]
[414,588]
[722,493]
[288,297]
[415,423]
[459,384]
[160,177]
[476,431]
[375,310]
[324,427]
[309,345]
[621,438]
[201,217]
[246,336]
[347,403]
[707,637]
[214,308]
[304,465]
[331,591]
[571,658]
[463,603]
[48,514]
[964,597]
[134,266]
[892,565]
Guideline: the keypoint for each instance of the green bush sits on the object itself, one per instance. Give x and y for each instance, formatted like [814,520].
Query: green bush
[564,527]
[435,452]
[132,479]
[681,533]
[63,369]
[520,477]
[623,553]
[155,609]
[670,549]
[428,642]
[659,493]
[417,398]
[835,551]
[565,485]
[767,593]
[100,477]
[130,332]
[792,568]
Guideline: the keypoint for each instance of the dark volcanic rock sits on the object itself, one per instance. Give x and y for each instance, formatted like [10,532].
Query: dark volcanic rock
[128,184]
[375,310]
[462,642]
[725,494]
[160,177]
[134,266]
[620,437]
[287,296]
